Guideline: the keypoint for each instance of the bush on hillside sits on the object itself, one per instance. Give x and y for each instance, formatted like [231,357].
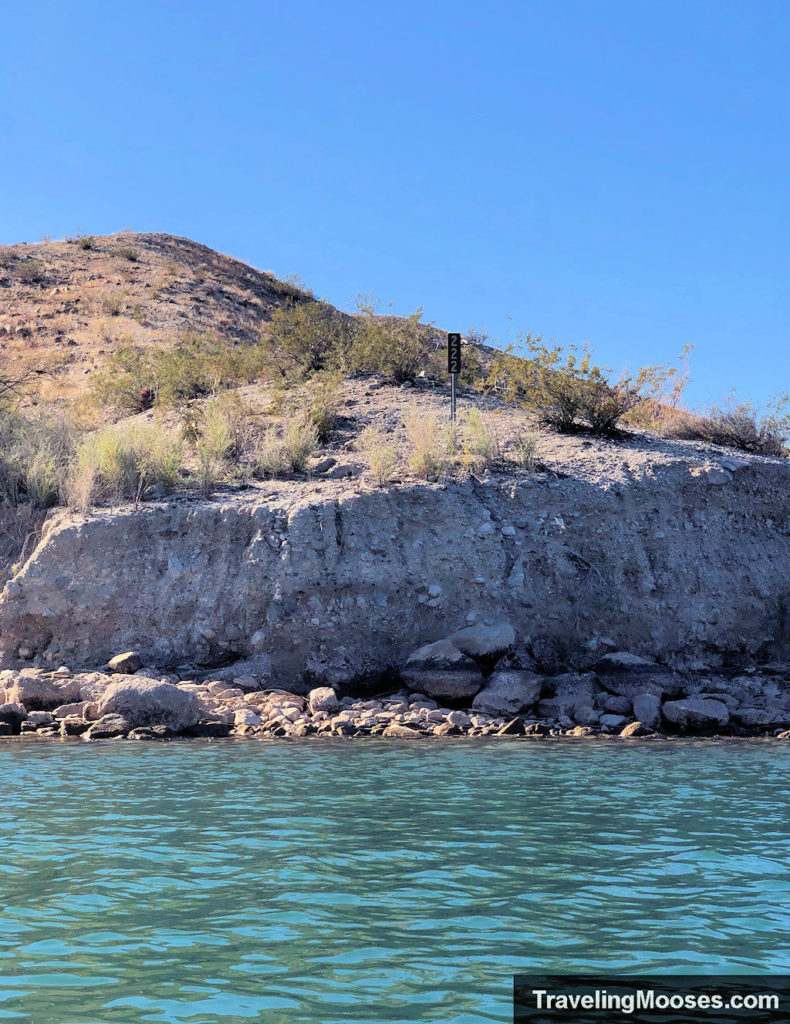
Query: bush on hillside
[393,346]
[738,426]
[303,338]
[568,390]
[116,464]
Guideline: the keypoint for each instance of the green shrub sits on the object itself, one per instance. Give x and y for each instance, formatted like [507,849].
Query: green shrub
[326,391]
[525,448]
[116,464]
[381,453]
[479,447]
[288,450]
[429,443]
[33,460]
[303,338]
[568,390]
[389,345]
[270,455]
[738,426]
[126,252]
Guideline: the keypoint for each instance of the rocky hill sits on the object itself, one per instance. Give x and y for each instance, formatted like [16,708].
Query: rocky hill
[65,306]
[329,574]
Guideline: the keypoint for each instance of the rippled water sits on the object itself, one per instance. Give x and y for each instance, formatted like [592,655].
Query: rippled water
[372,881]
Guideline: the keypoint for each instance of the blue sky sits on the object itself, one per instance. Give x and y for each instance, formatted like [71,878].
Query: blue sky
[603,171]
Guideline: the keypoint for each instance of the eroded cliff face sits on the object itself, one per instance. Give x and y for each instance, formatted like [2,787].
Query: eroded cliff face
[687,561]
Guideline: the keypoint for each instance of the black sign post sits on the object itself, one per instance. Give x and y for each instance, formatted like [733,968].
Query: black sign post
[453,367]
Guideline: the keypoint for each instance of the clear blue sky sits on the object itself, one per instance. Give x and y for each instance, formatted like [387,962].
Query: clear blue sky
[610,171]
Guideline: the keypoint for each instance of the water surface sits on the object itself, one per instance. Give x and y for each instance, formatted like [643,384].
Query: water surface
[320,883]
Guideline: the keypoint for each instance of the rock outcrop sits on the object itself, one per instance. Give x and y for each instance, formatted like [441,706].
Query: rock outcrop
[682,570]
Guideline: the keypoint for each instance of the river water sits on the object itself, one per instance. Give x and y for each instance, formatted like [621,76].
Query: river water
[311,883]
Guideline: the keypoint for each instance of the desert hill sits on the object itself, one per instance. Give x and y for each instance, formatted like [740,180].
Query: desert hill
[64,306]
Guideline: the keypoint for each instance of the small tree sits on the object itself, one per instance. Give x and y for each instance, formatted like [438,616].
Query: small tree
[303,338]
[386,344]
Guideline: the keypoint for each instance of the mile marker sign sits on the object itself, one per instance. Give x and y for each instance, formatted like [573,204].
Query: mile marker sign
[454,353]
[453,366]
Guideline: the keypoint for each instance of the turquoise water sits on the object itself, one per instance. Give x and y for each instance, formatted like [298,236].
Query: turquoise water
[372,881]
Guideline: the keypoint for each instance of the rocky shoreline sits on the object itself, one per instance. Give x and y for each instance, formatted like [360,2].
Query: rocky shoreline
[468,685]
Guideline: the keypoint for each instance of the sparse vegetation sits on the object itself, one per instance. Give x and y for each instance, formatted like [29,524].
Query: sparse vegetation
[115,464]
[479,444]
[381,453]
[287,450]
[569,391]
[389,345]
[430,444]
[525,447]
[738,426]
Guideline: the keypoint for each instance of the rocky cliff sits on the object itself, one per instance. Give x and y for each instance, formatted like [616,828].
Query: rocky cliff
[683,556]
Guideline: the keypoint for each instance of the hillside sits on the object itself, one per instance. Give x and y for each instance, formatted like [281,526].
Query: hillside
[64,307]
[291,505]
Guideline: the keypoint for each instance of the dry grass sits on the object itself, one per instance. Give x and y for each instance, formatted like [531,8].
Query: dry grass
[381,453]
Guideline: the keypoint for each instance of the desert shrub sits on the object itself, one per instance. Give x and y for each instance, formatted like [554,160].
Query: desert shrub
[525,446]
[326,393]
[381,453]
[300,441]
[34,456]
[287,450]
[126,252]
[113,304]
[86,241]
[270,455]
[568,390]
[116,464]
[130,369]
[303,338]
[429,444]
[384,344]
[735,426]
[220,433]
[479,445]
[31,271]
[193,366]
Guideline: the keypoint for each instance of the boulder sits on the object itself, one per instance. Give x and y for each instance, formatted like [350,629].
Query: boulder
[32,688]
[77,708]
[73,726]
[515,727]
[126,664]
[108,727]
[694,713]
[322,698]
[401,732]
[613,722]
[441,670]
[13,714]
[90,685]
[756,718]
[209,728]
[6,729]
[148,702]
[572,691]
[509,691]
[151,732]
[635,729]
[647,709]
[38,719]
[482,641]
[626,674]
[245,717]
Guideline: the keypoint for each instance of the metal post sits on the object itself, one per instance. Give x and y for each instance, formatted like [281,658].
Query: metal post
[454,377]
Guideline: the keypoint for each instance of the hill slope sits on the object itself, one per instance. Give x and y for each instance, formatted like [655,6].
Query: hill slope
[64,307]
